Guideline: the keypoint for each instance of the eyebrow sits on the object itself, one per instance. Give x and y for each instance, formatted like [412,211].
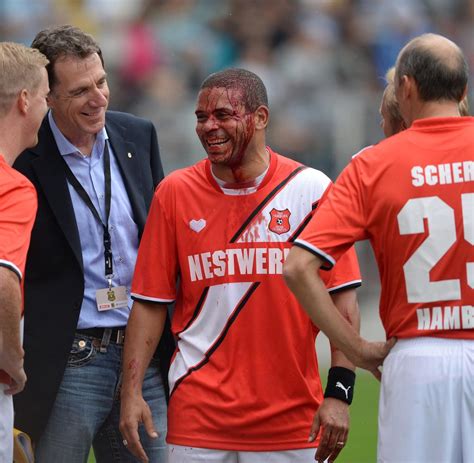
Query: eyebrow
[85,87]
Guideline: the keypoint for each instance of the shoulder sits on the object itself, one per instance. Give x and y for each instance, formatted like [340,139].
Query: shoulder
[374,158]
[178,188]
[12,181]
[46,144]
[17,194]
[127,121]
[307,176]
[186,178]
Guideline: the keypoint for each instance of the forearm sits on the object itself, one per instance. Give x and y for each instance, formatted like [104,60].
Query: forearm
[144,330]
[302,277]
[346,303]
[10,316]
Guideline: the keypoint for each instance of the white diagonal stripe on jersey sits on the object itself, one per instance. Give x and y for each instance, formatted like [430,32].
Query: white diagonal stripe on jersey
[196,341]
[298,195]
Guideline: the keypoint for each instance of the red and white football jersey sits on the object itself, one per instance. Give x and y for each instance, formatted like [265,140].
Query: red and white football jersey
[17,213]
[245,374]
[412,196]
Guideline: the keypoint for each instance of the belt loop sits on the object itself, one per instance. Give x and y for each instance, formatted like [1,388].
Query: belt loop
[105,339]
[120,336]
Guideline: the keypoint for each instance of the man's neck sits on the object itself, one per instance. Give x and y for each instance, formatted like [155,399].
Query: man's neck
[9,148]
[244,173]
[9,158]
[84,142]
[430,109]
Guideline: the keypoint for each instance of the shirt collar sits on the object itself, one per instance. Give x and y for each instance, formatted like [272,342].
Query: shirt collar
[65,147]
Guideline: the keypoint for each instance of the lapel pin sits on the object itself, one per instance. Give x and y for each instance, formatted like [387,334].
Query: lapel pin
[129,155]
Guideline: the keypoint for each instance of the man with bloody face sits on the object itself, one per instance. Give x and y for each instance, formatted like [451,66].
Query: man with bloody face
[244,378]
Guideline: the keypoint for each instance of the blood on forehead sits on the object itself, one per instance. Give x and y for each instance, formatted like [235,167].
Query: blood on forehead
[246,90]
[216,98]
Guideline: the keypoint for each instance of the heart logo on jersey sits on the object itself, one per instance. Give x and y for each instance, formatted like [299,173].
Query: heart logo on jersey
[197,225]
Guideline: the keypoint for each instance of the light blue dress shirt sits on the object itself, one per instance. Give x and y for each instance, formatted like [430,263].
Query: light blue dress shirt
[89,171]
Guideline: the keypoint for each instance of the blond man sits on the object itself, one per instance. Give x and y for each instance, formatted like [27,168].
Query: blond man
[23,91]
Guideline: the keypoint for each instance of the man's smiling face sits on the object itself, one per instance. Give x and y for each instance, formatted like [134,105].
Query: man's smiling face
[80,96]
[223,125]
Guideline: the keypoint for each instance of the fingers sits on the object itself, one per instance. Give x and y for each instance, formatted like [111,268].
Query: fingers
[331,444]
[314,431]
[337,448]
[373,354]
[385,350]
[324,449]
[149,425]
[377,373]
[131,440]
[131,417]
[389,344]
[18,382]
[334,421]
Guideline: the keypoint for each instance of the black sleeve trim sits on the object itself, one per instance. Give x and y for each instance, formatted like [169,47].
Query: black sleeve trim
[344,288]
[11,267]
[328,266]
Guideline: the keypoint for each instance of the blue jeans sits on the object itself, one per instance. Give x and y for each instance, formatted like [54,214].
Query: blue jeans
[86,411]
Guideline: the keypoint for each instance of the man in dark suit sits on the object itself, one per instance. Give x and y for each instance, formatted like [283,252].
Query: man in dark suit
[95,172]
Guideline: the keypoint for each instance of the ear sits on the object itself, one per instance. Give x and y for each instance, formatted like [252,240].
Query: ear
[261,115]
[23,102]
[407,86]
[49,100]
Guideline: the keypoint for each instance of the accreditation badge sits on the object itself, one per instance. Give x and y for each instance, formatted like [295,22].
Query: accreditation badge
[114,297]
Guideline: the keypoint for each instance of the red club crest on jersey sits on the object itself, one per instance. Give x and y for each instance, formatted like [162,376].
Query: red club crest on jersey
[279,221]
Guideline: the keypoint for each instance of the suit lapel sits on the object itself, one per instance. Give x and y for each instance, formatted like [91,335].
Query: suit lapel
[128,160]
[49,169]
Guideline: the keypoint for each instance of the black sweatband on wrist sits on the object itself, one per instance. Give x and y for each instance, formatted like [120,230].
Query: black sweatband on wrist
[340,384]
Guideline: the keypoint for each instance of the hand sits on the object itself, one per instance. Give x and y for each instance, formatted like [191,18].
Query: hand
[12,363]
[333,417]
[133,411]
[372,355]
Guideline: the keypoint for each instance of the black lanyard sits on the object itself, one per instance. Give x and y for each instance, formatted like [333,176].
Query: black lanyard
[108,195]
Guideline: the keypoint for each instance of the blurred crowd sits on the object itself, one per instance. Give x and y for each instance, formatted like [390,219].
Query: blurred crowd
[323,61]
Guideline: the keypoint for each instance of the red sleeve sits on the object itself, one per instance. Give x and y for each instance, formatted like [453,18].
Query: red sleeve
[156,270]
[18,204]
[339,221]
[344,275]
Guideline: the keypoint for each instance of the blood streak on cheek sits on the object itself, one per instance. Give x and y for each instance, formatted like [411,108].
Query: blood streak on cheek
[247,131]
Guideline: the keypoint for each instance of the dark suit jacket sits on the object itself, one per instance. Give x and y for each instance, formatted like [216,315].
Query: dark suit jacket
[54,279]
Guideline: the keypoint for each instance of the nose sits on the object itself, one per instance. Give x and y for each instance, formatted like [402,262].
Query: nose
[210,124]
[98,98]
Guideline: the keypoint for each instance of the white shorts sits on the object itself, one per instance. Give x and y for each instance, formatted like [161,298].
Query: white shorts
[426,410]
[6,425]
[180,454]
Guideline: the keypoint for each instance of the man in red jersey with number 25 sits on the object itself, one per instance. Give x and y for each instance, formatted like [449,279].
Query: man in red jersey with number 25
[244,379]
[412,195]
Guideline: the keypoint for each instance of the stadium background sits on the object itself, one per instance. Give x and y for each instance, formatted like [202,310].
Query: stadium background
[323,63]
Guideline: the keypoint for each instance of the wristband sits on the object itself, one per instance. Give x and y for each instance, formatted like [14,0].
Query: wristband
[340,384]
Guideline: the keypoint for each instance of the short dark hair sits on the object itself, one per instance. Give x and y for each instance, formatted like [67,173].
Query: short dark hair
[254,93]
[437,78]
[64,41]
